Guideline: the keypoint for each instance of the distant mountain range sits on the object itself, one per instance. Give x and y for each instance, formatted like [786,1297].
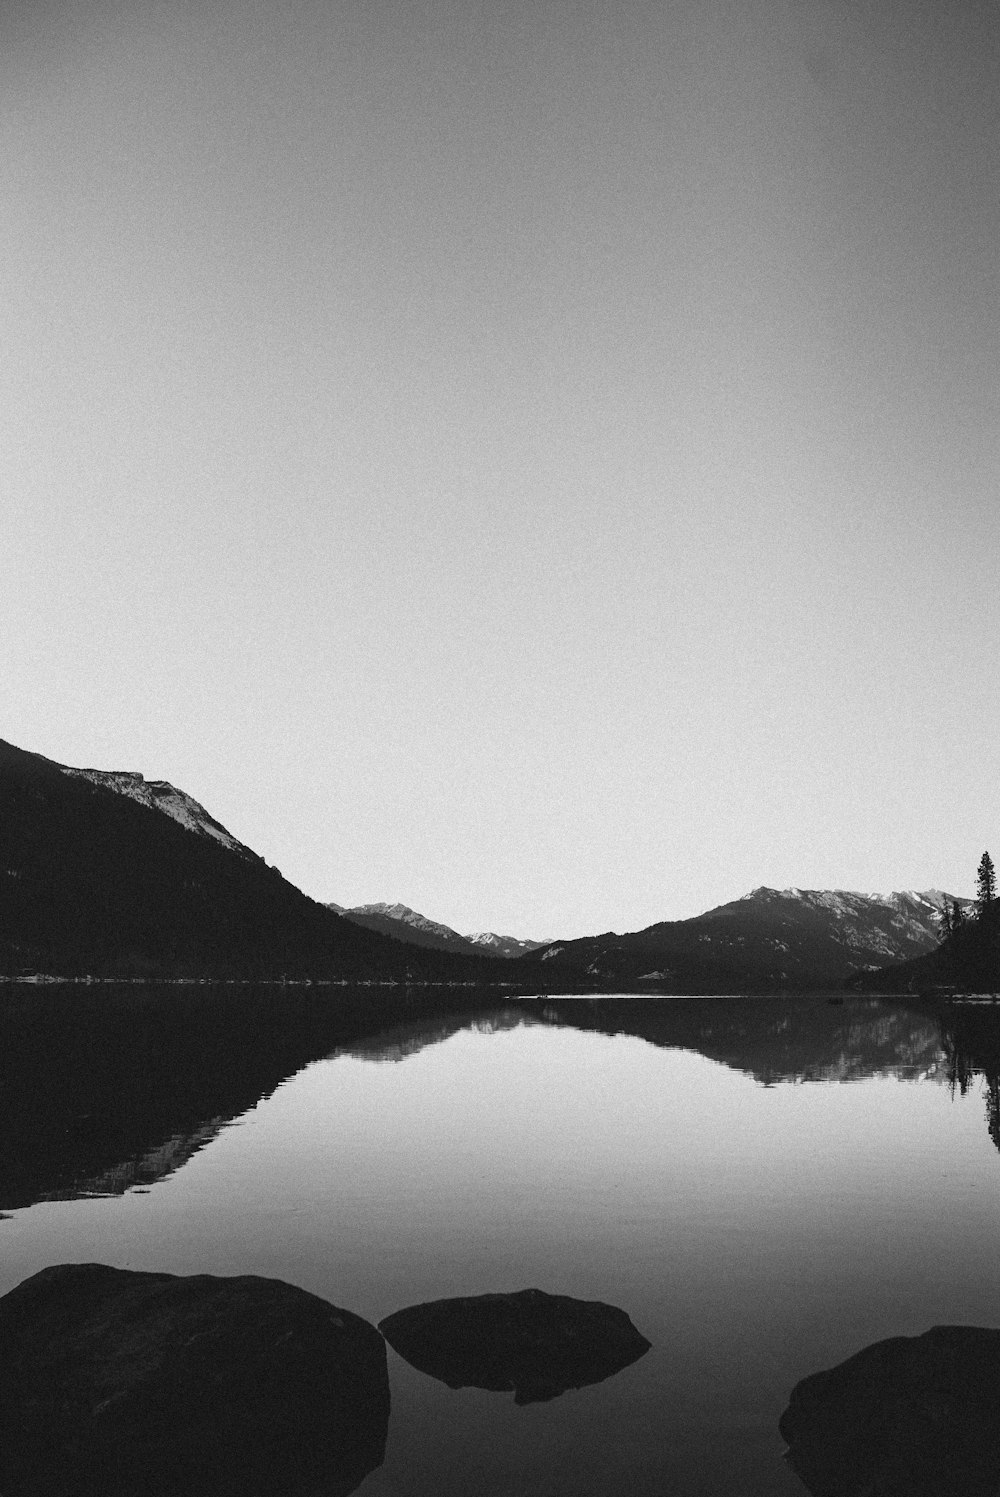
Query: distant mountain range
[771,938]
[404,924]
[105,873]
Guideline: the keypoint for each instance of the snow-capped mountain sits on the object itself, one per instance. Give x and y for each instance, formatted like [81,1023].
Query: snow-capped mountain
[404,924]
[406,916]
[879,923]
[409,925]
[159,795]
[769,938]
[504,945]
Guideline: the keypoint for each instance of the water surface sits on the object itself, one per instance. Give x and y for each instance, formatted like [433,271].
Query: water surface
[764,1185]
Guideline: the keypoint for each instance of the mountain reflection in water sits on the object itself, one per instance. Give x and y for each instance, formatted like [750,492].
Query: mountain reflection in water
[695,1161]
[105,1090]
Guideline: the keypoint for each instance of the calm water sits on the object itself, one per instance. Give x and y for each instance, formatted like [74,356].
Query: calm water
[764,1185]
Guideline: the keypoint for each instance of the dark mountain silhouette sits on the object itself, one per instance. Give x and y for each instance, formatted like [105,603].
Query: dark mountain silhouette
[96,881]
[771,938]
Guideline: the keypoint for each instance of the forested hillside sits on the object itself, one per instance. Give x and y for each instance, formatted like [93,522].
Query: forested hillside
[94,882]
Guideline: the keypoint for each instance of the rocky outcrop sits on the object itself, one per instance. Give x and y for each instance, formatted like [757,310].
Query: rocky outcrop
[119,1383]
[536,1344]
[160,795]
[909,1417]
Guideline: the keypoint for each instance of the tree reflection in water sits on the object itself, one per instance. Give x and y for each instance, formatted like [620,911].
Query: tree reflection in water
[971,1035]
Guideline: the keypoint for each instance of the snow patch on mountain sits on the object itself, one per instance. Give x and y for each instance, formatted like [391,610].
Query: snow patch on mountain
[159,795]
[444,937]
[907,914]
[504,945]
[406,916]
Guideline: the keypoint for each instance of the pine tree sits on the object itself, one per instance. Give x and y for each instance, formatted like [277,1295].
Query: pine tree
[986,883]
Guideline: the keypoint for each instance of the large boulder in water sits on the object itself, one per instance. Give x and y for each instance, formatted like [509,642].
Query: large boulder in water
[914,1416]
[533,1343]
[145,1383]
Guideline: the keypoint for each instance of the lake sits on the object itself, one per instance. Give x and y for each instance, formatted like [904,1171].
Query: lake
[764,1185]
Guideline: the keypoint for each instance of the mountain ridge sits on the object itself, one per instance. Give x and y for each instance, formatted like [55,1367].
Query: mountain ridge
[768,938]
[160,795]
[967,959]
[403,923]
[108,874]
[98,880]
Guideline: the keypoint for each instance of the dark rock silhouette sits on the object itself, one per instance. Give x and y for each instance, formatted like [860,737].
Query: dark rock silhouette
[914,1416]
[118,1383]
[536,1344]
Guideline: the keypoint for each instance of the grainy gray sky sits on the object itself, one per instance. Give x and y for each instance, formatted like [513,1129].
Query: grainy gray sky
[537,461]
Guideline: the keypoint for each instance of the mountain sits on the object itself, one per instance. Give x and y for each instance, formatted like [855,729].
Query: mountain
[408,925]
[509,946]
[967,960]
[771,938]
[110,875]
[399,921]
[160,795]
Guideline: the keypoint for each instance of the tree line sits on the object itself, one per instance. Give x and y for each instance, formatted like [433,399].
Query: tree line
[955,916]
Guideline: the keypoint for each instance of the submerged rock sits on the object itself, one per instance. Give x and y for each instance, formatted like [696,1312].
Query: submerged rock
[536,1344]
[914,1416]
[124,1383]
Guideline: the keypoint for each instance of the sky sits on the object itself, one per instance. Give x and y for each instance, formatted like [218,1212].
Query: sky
[535,460]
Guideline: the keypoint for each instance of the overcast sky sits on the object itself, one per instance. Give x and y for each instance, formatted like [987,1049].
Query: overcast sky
[534,460]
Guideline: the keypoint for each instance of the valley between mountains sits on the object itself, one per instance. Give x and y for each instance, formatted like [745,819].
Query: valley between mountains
[104,874]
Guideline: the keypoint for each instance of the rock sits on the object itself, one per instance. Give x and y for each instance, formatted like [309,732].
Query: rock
[534,1343]
[145,1383]
[913,1415]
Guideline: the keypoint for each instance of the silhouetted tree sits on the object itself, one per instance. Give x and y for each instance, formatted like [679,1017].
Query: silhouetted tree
[957,915]
[986,883]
